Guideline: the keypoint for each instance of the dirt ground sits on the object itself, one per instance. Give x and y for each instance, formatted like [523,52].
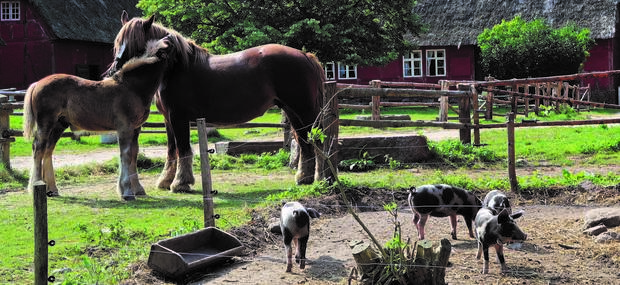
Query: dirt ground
[556,251]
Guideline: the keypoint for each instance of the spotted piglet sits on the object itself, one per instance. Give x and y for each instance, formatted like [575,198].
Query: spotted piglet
[442,200]
[497,201]
[295,227]
[495,230]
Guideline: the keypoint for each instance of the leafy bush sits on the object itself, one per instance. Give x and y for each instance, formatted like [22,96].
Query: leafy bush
[273,161]
[519,49]
[458,154]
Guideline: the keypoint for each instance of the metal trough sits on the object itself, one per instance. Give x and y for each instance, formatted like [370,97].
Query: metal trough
[178,256]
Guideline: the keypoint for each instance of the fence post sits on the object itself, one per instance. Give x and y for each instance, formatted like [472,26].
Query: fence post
[205,171]
[443,101]
[39,197]
[5,142]
[476,115]
[464,114]
[512,173]
[375,104]
[331,125]
[488,115]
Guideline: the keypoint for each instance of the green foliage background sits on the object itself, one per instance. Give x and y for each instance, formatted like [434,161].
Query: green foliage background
[520,49]
[349,31]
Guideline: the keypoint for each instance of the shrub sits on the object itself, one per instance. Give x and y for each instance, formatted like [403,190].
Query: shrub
[519,49]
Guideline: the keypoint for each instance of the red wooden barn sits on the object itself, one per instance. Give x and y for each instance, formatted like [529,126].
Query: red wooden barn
[449,49]
[57,36]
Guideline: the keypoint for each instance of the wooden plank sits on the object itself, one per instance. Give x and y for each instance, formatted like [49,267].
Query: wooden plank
[395,92]
[400,124]
[598,74]
[554,123]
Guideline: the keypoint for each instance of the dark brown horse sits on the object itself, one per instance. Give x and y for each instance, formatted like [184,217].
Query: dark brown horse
[119,103]
[226,89]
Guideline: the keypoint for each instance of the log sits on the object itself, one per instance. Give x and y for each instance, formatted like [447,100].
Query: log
[442,258]
[365,257]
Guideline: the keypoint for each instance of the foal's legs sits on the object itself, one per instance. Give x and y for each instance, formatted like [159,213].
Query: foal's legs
[43,146]
[128,184]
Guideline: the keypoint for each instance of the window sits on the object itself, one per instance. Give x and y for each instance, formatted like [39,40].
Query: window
[436,62]
[347,71]
[330,73]
[9,10]
[412,64]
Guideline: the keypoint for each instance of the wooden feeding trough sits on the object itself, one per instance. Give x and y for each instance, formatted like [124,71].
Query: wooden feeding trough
[178,256]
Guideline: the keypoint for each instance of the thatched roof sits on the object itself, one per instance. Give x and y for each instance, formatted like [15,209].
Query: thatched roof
[85,20]
[459,22]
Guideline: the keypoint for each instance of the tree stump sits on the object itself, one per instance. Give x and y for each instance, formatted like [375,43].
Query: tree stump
[428,266]
[365,257]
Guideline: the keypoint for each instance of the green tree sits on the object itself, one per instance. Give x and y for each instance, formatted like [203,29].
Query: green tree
[349,31]
[520,49]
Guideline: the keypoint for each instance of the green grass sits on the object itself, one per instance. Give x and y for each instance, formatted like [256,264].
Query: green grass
[98,237]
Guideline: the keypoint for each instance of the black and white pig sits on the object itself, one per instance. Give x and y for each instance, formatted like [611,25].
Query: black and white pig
[497,201]
[442,200]
[495,230]
[295,226]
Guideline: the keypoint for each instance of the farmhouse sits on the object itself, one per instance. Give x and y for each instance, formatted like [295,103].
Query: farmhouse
[449,49]
[57,36]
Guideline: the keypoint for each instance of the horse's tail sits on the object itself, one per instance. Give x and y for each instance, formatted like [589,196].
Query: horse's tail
[29,119]
[319,73]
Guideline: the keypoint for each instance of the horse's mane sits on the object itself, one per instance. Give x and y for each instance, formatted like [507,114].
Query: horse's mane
[133,36]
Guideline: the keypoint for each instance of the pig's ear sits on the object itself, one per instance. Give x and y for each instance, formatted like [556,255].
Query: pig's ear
[313,213]
[517,215]
[503,216]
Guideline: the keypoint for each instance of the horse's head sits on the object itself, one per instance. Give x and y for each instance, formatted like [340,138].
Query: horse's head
[131,40]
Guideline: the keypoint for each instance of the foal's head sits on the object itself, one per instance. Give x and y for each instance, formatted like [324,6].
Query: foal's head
[133,37]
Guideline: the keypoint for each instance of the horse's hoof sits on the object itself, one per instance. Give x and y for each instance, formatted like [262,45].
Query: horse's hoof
[52,194]
[163,184]
[304,180]
[129,197]
[140,192]
[181,189]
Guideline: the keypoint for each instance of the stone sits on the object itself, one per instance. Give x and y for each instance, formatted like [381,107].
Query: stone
[608,237]
[596,230]
[406,149]
[610,217]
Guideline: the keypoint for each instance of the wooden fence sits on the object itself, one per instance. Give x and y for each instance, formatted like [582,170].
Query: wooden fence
[552,90]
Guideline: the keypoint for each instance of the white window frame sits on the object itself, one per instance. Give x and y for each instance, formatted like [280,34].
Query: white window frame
[435,64]
[329,68]
[347,71]
[412,62]
[10,11]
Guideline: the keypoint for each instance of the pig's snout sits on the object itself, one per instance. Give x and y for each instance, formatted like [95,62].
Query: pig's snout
[519,236]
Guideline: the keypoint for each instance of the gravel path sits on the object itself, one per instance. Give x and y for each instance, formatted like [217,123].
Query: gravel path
[67,158]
